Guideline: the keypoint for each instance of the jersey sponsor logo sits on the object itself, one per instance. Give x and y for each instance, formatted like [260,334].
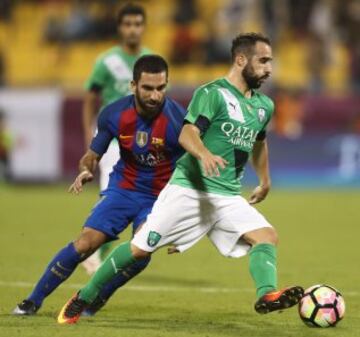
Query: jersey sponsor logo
[261,114]
[142,138]
[125,137]
[153,238]
[150,159]
[239,135]
[233,106]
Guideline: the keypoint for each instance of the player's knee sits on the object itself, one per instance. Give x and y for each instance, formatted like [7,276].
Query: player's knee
[88,242]
[84,246]
[263,235]
[138,253]
[272,237]
[268,235]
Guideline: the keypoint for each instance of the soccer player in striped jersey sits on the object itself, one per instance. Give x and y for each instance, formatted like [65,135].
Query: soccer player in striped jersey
[146,126]
[110,80]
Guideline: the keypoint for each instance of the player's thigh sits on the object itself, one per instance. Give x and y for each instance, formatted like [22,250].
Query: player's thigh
[113,213]
[236,218]
[180,216]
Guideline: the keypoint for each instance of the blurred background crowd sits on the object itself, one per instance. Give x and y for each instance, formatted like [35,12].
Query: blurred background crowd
[315,82]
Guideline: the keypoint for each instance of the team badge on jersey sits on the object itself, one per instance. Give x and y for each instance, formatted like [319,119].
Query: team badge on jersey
[157,141]
[261,114]
[142,138]
[153,238]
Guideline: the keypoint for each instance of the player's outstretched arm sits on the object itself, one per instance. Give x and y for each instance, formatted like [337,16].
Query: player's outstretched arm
[260,162]
[87,166]
[190,140]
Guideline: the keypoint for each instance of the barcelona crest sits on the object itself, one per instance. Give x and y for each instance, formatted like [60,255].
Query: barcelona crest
[142,138]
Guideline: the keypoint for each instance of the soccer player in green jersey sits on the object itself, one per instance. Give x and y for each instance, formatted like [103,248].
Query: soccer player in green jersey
[225,125]
[109,81]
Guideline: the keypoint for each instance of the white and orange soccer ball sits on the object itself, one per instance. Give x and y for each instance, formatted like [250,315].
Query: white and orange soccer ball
[321,306]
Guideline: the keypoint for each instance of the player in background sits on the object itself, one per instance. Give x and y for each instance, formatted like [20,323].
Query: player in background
[146,126]
[225,125]
[110,80]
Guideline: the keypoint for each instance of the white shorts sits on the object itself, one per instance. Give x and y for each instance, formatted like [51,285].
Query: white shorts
[107,162]
[182,216]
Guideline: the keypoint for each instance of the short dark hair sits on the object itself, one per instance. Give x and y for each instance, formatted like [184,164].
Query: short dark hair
[152,64]
[130,9]
[245,43]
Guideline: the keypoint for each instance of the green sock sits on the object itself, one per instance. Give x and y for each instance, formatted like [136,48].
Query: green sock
[104,249]
[263,268]
[120,258]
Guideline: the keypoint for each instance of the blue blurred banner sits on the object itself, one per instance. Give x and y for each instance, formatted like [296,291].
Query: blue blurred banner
[314,160]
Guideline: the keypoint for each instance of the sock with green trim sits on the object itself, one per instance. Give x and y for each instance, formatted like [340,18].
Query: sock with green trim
[262,267]
[120,258]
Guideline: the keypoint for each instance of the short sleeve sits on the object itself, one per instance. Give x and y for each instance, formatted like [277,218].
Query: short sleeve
[204,103]
[98,76]
[103,136]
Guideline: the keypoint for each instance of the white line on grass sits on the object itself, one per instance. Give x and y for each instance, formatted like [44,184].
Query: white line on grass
[158,288]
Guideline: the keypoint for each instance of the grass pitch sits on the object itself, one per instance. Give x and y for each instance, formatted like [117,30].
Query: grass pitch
[198,293]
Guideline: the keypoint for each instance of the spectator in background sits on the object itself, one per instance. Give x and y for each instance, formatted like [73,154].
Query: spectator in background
[6,10]
[78,26]
[233,16]
[184,43]
[299,15]
[104,24]
[348,19]
[321,38]
[288,119]
[275,14]
[5,145]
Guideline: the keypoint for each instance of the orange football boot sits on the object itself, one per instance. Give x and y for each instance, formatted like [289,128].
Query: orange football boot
[71,311]
[279,299]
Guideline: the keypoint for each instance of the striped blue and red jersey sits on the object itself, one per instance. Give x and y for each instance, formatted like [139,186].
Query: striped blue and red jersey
[149,149]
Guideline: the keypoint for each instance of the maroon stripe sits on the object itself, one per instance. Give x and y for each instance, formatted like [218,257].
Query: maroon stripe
[127,130]
[163,170]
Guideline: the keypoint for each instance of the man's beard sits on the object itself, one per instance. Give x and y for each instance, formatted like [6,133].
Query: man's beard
[252,81]
[149,111]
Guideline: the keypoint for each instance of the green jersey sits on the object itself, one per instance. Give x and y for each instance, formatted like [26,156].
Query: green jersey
[230,125]
[112,74]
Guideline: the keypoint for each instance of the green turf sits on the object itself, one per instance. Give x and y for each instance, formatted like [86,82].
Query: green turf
[198,293]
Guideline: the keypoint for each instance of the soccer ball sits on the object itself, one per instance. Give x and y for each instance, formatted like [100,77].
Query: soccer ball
[321,306]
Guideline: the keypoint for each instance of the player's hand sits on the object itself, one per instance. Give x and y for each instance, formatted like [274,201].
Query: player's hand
[259,194]
[81,179]
[172,250]
[211,164]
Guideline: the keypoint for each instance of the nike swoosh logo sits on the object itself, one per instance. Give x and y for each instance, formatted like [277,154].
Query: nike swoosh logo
[125,137]
[61,267]
[270,264]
